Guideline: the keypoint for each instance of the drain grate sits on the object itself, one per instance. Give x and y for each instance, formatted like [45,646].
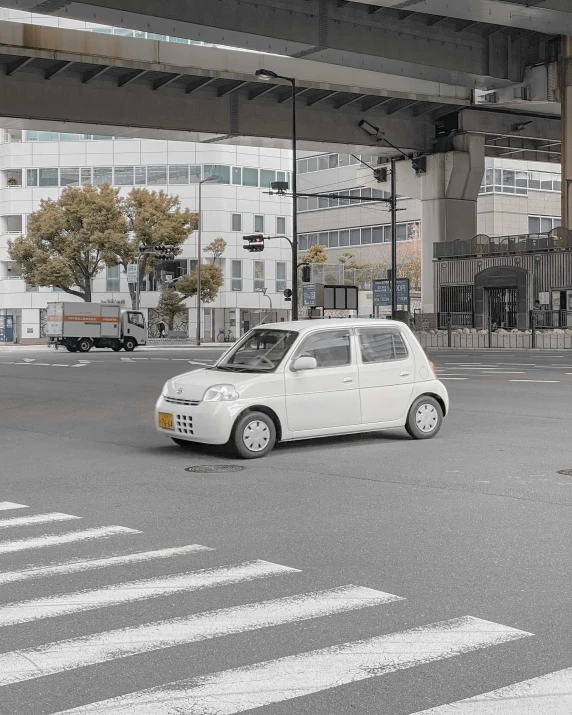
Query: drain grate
[214,469]
[565,472]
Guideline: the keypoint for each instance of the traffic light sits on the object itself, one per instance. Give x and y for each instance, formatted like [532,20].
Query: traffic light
[288,294]
[306,274]
[255,243]
[380,174]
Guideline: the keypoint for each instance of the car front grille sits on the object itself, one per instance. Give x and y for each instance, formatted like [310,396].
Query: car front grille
[178,401]
[184,424]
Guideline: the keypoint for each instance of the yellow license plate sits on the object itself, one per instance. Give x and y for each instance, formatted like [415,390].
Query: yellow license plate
[165,420]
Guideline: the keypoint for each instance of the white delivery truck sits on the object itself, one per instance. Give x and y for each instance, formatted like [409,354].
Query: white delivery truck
[82,326]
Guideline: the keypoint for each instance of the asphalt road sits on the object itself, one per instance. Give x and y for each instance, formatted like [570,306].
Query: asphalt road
[465,538]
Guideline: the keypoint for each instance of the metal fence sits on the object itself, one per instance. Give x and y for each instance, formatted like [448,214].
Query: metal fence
[504,245]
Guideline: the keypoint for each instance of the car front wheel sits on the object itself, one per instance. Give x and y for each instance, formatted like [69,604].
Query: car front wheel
[425,418]
[254,435]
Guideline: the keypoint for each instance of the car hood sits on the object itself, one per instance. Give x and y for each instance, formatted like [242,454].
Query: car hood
[193,385]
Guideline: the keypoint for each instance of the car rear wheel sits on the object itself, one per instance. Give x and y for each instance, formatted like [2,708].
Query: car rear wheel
[254,435]
[425,418]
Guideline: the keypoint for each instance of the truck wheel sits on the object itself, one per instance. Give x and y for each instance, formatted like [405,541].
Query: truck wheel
[129,344]
[116,347]
[84,345]
[71,348]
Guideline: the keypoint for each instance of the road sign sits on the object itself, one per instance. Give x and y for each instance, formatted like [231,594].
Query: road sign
[309,295]
[132,273]
[382,293]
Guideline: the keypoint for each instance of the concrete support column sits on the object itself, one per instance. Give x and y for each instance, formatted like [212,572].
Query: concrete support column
[449,193]
[566,102]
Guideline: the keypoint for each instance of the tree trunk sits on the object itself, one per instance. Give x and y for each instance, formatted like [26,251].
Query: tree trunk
[133,295]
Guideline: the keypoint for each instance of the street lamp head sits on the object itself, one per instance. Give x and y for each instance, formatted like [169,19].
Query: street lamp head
[368,128]
[266,74]
[213,177]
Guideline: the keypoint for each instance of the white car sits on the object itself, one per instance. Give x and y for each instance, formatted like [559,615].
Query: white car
[313,378]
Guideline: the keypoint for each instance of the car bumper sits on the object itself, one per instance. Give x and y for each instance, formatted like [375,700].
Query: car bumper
[205,422]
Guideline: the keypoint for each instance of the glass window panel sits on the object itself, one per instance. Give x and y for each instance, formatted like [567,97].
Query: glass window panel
[489,177]
[366,235]
[194,174]
[557,184]
[124,32]
[280,176]
[102,175]
[353,160]
[312,239]
[49,177]
[112,279]
[534,180]
[377,194]
[333,239]
[545,225]
[533,224]
[259,224]
[249,177]
[323,202]
[124,175]
[31,289]
[86,175]
[508,177]
[266,178]
[344,202]
[323,239]
[387,234]
[333,161]
[522,179]
[140,175]
[344,238]
[220,170]
[333,203]
[280,277]
[71,137]
[343,159]
[179,174]
[330,349]
[69,177]
[258,275]
[312,203]
[323,163]
[546,182]
[155,36]
[313,164]
[236,276]
[32,177]
[281,225]
[381,345]
[237,175]
[302,204]
[366,193]
[31,136]
[402,232]
[302,166]
[157,175]
[103,138]
[356,194]
[377,234]
[498,178]
[236,222]
[354,237]
[303,243]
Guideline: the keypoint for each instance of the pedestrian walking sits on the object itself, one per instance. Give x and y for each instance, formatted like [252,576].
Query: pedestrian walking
[161,327]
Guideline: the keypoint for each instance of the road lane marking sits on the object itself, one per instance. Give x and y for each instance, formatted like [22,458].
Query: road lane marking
[81,364]
[130,591]
[551,381]
[453,378]
[79,565]
[59,364]
[127,360]
[274,681]
[549,694]
[35,519]
[59,657]
[41,542]
[6,505]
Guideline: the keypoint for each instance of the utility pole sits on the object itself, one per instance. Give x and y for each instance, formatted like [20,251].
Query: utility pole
[393,207]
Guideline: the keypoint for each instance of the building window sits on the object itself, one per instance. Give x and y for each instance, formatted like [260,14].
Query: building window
[31,289]
[236,222]
[259,224]
[365,236]
[32,177]
[258,276]
[69,177]
[49,177]
[266,178]
[86,176]
[123,176]
[250,177]
[195,174]
[112,279]
[281,225]
[157,175]
[140,175]
[223,173]
[102,175]
[236,275]
[236,175]
[543,224]
[14,223]
[280,276]
[178,174]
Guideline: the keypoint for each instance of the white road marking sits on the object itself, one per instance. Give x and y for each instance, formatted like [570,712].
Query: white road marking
[6,505]
[130,591]
[453,378]
[42,364]
[59,364]
[274,681]
[29,359]
[127,360]
[35,519]
[41,542]
[59,657]
[159,358]
[552,381]
[547,695]
[78,565]
[81,364]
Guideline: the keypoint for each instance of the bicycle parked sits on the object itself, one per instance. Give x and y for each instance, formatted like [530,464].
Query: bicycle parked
[225,336]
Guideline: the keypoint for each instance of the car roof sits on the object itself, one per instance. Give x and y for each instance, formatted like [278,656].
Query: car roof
[304,326]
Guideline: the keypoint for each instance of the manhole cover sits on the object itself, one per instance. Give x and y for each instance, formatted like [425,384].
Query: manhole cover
[214,468]
[565,472]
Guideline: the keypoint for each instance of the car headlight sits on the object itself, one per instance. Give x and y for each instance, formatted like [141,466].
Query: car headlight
[221,393]
[165,391]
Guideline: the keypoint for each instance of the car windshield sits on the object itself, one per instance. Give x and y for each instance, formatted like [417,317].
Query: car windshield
[259,351]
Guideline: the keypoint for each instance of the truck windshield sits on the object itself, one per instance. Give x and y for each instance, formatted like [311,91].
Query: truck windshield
[259,351]
[136,319]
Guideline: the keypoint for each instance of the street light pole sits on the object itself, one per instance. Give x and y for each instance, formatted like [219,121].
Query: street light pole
[199,239]
[393,238]
[269,75]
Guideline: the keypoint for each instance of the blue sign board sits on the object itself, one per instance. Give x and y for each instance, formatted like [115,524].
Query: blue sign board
[6,328]
[382,293]
[309,295]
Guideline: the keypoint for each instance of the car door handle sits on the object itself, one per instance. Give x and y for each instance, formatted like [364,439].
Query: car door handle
[347,379]
[404,374]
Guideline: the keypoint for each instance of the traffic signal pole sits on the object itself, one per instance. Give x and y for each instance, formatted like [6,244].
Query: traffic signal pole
[294,210]
[393,206]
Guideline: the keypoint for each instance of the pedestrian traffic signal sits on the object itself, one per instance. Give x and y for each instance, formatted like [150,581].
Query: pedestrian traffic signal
[255,243]
[288,294]
[306,274]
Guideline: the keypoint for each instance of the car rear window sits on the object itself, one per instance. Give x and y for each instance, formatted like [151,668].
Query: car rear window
[381,345]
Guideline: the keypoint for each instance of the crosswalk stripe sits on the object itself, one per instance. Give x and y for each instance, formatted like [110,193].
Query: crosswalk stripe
[35,519]
[547,695]
[76,566]
[41,542]
[6,505]
[275,681]
[53,658]
[128,592]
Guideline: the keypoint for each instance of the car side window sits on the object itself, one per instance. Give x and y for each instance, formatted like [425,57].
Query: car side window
[381,345]
[136,319]
[330,348]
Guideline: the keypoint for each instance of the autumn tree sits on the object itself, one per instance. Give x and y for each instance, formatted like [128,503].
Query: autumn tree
[171,304]
[216,248]
[315,254]
[68,240]
[212,280]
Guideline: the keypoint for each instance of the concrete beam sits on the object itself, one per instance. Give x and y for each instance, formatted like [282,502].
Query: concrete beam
[349,36]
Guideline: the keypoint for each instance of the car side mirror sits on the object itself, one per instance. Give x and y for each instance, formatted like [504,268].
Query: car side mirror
[304,363]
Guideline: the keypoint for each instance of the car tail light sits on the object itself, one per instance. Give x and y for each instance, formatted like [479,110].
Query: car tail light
[434,370]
